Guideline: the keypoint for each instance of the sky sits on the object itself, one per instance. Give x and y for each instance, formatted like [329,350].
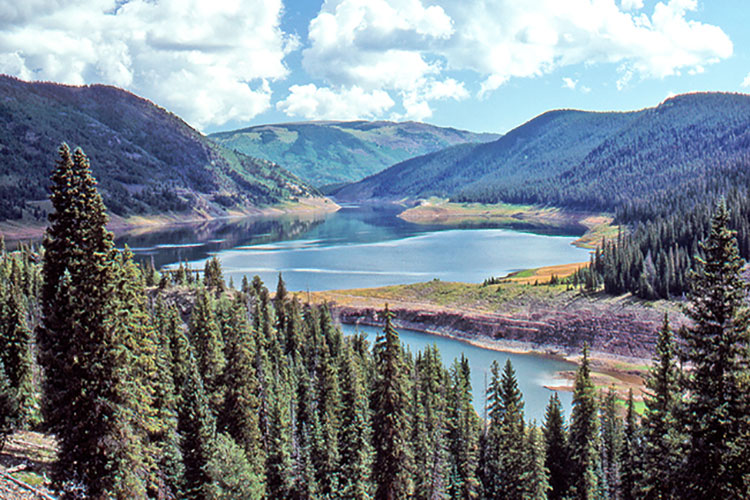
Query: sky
[481,65]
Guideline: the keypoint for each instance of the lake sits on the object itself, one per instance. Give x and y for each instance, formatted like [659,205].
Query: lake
[353,248]
[533,372]
[366,247]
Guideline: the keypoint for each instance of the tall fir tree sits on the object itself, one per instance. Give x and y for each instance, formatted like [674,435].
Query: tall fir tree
[584,435]
[392,470]
[662,436]
[81,345]
[557,451]
[536,475]
[463,433]
[716,346]
[611,443]
[206,338]
[630,454]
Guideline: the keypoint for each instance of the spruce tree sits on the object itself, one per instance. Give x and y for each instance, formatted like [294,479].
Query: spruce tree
[716,347]
[82,349]
[584,434]
[356,453]
[536,475]
[611,443]
[557,452]
[630,454]
[463,432]
[8,407]
[662,436]
[390,402]
[206,339]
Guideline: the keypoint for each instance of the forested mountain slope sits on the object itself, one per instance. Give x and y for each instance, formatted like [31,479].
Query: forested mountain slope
[330,152]
[585,160]
[146,159]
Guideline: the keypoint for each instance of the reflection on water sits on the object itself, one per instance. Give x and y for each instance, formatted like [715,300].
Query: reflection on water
[353,248]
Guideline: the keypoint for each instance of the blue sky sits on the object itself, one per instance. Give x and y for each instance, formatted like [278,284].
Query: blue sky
[483,65]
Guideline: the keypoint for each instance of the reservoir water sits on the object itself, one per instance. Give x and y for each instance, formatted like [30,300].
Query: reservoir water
[368,247]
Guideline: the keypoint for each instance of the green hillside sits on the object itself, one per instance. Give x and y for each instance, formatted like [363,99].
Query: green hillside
[333,152]
[146,159]
[584,160]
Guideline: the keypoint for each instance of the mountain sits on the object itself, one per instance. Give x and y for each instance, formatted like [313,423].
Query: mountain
[146,160]
[334,152]
[584,160]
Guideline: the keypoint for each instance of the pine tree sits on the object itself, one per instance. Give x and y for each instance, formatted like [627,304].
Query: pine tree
[584,434]
[557,454]
[81,343]
[356,453]
[212,276]
[513,483]
[390,402]
[16,352]
[239,417]
[206,338]
[716,409]
[630,454]
[536,475]
[8,407]
[661,431]
[463,432]
[611,443]
[490,458]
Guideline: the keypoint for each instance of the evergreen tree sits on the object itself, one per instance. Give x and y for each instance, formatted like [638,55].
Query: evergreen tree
[239,417]
[356,453]
[463,432]
[716,409]
[390,401]
[557,452]
[16,352]
[630,454]
[661,431]
[206,338]
[584,434]
[212,275]
[611,444]
[8,407]
[88,399]
[536,475]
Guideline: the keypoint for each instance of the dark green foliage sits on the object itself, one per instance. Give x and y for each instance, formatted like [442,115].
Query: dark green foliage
[584,435]
[716,411]
[8,407]
[84,347]
[662,435]
[205,335]
[557,451]
[146,159]
[504,446]
[463,430]
[630,454]
[611,444]
[212,275]
[536,474]
[235,476]
[392,470]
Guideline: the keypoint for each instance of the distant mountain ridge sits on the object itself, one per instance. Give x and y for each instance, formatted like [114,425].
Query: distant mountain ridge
[146,159]
[583,160]
[331,152]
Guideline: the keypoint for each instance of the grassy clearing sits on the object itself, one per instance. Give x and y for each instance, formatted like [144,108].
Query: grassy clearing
[543,275]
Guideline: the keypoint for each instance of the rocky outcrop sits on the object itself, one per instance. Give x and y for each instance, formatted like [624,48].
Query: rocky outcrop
[623,331]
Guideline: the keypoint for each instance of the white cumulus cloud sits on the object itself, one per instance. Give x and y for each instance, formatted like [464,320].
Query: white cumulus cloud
[209,61]
[746,81]
[309,101]
[405,47]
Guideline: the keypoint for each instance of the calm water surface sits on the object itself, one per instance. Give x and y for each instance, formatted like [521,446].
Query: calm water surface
[368,247]
[533,372]
[354,248]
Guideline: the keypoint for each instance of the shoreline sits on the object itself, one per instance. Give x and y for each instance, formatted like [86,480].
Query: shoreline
[591,228]
[14,232]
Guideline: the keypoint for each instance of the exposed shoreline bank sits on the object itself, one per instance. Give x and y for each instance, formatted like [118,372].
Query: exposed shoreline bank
[14,232]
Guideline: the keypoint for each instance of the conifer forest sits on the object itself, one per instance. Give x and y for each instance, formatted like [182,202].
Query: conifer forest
[177,385]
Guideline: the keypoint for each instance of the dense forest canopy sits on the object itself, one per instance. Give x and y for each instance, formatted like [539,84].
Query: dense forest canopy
[147,160]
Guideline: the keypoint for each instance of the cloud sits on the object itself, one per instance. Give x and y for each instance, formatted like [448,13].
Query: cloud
[311,102]
[208,61]
[746,82]
[569,83]
[404,47]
